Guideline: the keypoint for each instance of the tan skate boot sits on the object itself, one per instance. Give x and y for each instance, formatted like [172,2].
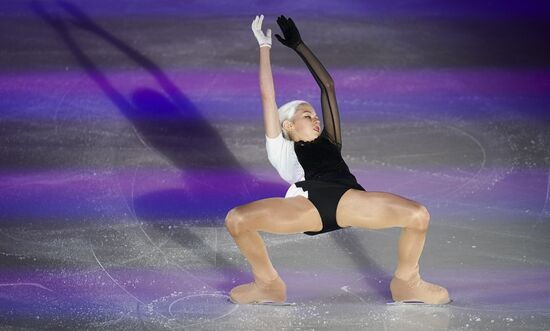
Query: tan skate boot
[260,292]
[415,289]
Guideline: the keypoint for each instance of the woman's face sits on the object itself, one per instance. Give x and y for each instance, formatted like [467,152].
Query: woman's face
[306,124]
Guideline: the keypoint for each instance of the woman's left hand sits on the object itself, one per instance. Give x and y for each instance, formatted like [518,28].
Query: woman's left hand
[290,31]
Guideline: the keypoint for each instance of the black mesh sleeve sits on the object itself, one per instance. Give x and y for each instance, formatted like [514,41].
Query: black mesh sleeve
[331,116]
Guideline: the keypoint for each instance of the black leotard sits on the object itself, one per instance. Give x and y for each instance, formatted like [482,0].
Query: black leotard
[322,161]
[327,176]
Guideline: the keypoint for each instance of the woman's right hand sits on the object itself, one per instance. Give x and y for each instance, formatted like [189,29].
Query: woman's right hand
[263,39]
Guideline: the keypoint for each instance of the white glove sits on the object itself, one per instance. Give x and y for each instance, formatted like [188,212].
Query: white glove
[263,40]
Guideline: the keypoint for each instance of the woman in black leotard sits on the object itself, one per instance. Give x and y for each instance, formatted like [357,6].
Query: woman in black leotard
[331,197]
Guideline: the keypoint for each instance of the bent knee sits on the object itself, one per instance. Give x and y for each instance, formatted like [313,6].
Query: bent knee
[421,218]
[232,220]
[235,222]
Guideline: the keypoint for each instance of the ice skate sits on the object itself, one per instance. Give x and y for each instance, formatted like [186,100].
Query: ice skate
[416,291]
[258,292]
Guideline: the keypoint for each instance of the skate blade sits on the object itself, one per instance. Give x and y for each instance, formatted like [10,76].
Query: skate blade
[416,303]
[271,303]
[267,303]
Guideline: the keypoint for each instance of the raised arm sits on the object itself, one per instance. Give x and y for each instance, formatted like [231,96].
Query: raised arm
[331,115]
[267,90]
[329,105]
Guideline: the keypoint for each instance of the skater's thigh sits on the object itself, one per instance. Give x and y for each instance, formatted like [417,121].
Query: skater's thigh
[276,215]
[379,210]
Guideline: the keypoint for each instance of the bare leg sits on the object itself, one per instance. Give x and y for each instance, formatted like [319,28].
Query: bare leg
[379,210]
[274,215]
[411,244]
[253,248]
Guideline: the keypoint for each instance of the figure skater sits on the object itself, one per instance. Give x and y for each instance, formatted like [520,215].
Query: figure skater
[324,195]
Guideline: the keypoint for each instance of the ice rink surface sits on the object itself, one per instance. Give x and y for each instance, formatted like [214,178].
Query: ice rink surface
[128,130]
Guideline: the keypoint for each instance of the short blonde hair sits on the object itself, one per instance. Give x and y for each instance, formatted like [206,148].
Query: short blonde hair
[286,112]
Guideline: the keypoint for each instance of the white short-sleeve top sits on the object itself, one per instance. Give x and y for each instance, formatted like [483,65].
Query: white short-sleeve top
[282,157]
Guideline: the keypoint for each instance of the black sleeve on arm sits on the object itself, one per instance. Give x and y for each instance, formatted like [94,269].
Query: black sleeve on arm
[331,116]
